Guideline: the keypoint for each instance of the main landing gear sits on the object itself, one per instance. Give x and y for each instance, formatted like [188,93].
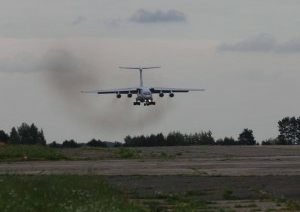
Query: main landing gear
[145,103]
[149,103]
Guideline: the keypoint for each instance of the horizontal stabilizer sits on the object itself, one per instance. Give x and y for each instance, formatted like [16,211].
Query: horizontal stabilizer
[139,68]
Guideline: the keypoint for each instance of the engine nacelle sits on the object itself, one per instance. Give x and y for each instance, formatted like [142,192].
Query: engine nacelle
[161,94]
[118,96]
[129,95]
[171,95]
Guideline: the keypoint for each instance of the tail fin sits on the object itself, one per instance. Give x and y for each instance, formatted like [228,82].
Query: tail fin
[141,71]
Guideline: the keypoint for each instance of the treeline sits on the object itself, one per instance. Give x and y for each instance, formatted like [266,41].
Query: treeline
[172,139]
[31,135]
[25,134]
[92,143]
[288,127]
[179,139]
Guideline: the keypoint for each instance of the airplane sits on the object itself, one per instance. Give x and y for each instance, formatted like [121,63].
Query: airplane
[144,94]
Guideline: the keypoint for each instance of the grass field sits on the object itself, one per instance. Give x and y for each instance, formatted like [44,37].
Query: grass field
[63,193]
[212,193]
[34,152]
[90,193]
[173,179]
[29,152]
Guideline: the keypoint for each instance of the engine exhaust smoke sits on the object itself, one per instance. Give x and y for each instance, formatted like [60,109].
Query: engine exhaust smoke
[67,75]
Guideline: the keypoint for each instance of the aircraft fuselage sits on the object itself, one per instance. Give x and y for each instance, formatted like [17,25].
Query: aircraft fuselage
[144,95]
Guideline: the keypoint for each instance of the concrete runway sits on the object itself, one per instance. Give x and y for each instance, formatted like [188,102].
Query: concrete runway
[237,166]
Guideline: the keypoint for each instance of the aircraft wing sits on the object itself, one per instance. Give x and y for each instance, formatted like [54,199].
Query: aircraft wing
[114,91]
[173,90]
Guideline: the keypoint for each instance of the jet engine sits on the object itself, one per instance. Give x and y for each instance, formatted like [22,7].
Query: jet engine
[161,94]
[171,95]
[118,96]
[129,95]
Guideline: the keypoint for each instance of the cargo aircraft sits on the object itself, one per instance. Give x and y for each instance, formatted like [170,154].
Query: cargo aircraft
[144,94]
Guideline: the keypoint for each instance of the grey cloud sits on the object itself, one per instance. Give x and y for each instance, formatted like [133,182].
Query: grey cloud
[23,62]
[262,43]
[113,23]
[144,16]
[292,46]
[53,60]
[79,20]
[58,60]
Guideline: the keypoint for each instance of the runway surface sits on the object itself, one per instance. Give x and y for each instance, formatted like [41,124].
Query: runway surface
[243,166]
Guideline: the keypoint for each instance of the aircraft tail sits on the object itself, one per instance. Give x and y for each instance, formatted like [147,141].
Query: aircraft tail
[141,71]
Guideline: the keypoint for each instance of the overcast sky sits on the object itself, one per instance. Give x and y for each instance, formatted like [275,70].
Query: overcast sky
[245,53]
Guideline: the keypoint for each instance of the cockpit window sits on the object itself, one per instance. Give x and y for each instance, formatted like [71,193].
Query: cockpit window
[146,92]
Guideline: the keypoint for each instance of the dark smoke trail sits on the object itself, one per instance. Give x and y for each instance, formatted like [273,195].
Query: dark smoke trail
[67,75]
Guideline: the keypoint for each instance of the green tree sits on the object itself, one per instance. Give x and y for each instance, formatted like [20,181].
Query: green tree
[160,139]
[289,130]
[226,141]
[54,144]
[14,136]
[151,140]
[96,143]
[3,136]
[175,139]
[25,134]
[128,141]
[205,138]
[270,141]
[298,130]
[31,135]
[246,137]
[70,144]
[41,138]
[117,144]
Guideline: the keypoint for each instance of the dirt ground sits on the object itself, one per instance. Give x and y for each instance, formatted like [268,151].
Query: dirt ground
[209,188]
[192,160]
[258,191]
[238,178]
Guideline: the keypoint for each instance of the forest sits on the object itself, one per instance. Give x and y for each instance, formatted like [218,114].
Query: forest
[288,127]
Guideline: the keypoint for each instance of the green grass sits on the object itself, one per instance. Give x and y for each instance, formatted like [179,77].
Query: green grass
[29,152]
[126,153]
[187,203]
[227,193]
[292,205]
[250,205]
[63,193]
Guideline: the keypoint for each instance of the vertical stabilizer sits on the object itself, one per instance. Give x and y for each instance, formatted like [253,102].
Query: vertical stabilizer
[141,72]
